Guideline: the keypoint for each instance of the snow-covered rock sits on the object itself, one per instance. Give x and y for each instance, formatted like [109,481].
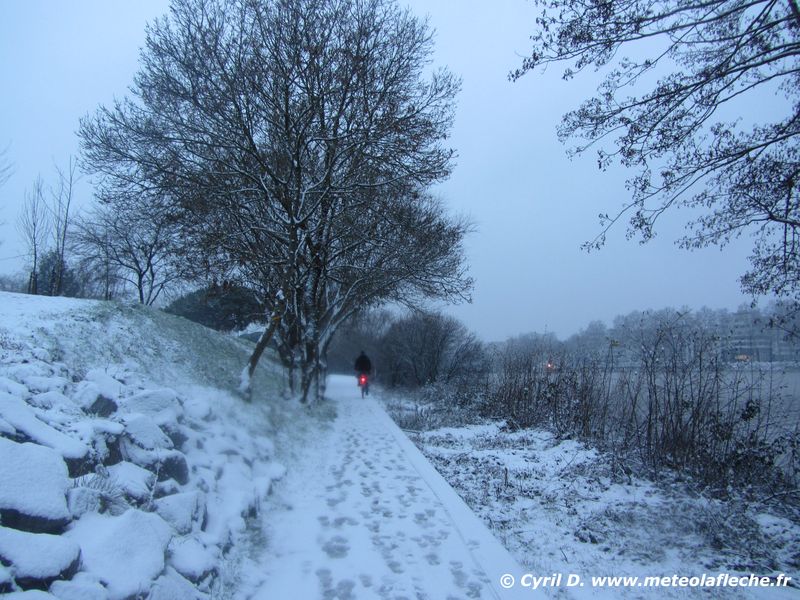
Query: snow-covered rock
[143,432]
[82,381]
[81,587]
[22,417]
[182,510]
[106,384]
[39,383]
[38,559]
[29,595]
[6,429]
[192,559]
[48,400]
[172,586]
[162,405]
[88,396]
[102,407]
[34,485]
[12,387]
[135,481]
[126,552]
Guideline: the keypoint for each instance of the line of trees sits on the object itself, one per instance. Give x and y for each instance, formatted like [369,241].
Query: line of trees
[658,391]
[100,253]
[44,224]
[290,146]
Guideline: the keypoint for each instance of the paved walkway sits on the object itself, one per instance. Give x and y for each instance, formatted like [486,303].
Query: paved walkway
[366,516]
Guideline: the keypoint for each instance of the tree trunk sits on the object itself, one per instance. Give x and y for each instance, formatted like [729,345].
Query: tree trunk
[245,386]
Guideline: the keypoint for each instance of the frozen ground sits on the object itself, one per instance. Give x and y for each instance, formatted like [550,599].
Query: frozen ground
[130,470]
[559,507]
[362,514]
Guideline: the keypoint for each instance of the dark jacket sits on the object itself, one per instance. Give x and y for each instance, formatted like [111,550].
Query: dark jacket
[363,364]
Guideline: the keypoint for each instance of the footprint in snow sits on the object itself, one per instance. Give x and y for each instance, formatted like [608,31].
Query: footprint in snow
[336,547]
[339,522]
[342,591]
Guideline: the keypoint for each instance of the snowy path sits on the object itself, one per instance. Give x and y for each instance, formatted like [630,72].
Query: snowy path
[366,516]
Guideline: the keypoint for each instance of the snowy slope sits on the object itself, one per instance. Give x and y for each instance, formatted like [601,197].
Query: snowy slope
[129,468]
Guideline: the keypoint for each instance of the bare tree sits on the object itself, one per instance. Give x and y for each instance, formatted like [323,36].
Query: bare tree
[293,141]
[6,168]
[34,227]
[713,57]
[128,246]
[61,199]
[429,347]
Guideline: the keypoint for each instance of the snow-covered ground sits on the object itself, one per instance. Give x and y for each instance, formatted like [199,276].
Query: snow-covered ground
[131,470]
[362,514]
[562,507]
[128,468]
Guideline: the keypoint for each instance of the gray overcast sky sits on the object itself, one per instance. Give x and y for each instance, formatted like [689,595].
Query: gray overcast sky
[532,206]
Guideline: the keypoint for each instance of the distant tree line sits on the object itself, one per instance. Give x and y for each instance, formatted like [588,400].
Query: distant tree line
[411,350]
[661,391]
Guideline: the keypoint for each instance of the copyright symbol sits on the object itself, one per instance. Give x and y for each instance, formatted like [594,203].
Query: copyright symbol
[507,581]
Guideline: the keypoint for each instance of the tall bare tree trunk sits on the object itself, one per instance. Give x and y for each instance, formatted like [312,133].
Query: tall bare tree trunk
[245,386]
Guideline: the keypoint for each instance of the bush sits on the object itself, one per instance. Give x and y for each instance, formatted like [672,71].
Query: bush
[221,308]
[667,397]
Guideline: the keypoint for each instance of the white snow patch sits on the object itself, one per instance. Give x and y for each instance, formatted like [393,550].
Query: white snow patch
[136,481]
[127,552]
[21,416]
[13,388]
[37,555]
[181,510]
[191,558]
[81,587]
[105,384]
[34,480]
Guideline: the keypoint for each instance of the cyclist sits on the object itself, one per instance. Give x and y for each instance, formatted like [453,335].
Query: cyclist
[363,368]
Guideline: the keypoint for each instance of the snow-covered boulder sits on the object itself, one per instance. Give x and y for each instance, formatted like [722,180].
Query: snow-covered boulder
[108,386]
[127,552]
[172,586]
[102,407]
[135,481]
[38,559]
[6,429]
[91,399]
[22,417]
[144,433]
[162,405]
[12,387]
[39,383]
[81,587]
[49,400]
[102,435]
[182,510]
[29,595]
[192,559]
[34,486]
[145,444]
[172,465]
